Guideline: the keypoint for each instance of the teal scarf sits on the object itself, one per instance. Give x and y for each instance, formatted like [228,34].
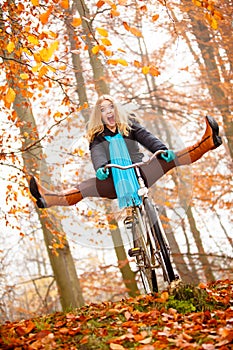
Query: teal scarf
[125,181]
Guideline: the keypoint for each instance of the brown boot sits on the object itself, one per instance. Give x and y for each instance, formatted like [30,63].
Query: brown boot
[46,199]
[210,140]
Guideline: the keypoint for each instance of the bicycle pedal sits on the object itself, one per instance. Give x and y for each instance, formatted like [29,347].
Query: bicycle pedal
[128,222]
[134,251]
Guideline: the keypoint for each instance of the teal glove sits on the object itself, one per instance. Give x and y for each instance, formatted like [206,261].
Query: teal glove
[102,174]
[168,156]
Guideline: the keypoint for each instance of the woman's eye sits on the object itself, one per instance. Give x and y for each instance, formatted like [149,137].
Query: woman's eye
[105,109]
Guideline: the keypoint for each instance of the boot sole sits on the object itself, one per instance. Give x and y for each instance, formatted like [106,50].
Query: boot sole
[36,194]
[215,128]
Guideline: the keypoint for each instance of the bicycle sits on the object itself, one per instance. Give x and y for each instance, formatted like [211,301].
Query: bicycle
[151,249]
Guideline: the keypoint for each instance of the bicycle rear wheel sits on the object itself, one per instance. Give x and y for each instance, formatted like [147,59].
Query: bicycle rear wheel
[143,252]
[161,245]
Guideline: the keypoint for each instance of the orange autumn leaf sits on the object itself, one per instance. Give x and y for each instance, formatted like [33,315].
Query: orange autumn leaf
[35,2]
[126,26]
[135,31]
[102,31]
[76,21]
[115,13]
[10,46]
[113,62]
[106,41]
[108,53]
[154,71]
[217,15]
[10,95]
[100,3]
[64,4]
[143,8]
[44,17]
[212,21]
[43,71]
[95,49]
[137,64]
[155,17]
[121,50]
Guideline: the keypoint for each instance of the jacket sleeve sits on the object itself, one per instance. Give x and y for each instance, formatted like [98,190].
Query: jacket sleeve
[146,138]
[99,153]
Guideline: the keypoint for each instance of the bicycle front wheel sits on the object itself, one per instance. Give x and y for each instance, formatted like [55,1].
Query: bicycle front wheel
[162,248]
[144,253]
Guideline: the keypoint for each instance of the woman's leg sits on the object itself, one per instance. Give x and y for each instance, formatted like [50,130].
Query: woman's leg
[210,140]
[89,188]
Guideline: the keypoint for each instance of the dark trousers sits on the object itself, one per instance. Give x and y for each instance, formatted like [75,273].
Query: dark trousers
[105,189]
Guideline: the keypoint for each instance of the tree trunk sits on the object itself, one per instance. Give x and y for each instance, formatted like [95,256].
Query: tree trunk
[103,88]
[202,254]
[62,264]
[97,68]
[213,79]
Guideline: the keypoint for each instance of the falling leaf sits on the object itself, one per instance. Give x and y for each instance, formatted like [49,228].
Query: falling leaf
[35,2]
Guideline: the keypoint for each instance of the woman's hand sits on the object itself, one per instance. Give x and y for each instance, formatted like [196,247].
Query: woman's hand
[102,174]
[168,156]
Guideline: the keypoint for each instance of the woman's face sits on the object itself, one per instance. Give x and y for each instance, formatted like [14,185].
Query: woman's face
[107,114]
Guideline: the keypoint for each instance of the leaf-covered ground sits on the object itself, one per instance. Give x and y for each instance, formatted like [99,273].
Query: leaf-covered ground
[186,318]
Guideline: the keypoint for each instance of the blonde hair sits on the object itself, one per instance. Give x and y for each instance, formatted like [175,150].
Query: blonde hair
[95,125]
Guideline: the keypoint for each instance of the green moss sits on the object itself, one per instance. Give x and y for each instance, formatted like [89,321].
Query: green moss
[186,298]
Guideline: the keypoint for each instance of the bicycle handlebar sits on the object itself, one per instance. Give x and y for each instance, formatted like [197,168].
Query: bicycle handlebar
[135,165]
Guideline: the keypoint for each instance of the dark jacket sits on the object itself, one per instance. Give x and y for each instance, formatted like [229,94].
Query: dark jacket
[99,148]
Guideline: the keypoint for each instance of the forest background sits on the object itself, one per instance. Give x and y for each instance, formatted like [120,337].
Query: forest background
[170,62]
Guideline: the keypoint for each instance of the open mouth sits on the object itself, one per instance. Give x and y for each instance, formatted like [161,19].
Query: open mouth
[111,119]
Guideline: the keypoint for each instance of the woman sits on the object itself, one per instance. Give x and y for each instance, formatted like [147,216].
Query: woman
[108,123]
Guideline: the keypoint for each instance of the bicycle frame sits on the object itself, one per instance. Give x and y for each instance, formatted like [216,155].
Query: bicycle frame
[153,239]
